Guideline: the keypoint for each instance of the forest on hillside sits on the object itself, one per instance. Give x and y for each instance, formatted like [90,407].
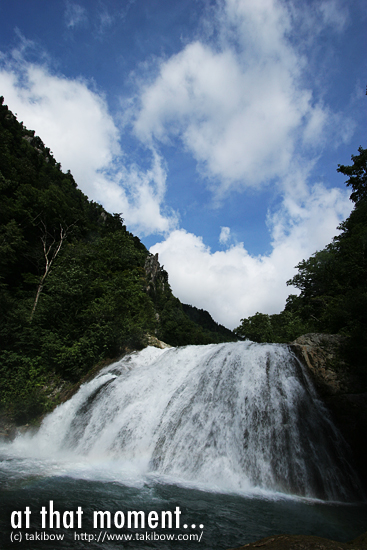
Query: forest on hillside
[74,285]
[332,284]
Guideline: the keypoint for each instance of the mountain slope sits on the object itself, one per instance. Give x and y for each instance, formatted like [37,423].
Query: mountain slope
[75,285]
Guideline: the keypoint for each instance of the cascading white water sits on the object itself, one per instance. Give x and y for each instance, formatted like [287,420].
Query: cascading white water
[237,417]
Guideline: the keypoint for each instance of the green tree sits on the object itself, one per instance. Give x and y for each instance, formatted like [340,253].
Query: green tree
[257,328]
[357,173]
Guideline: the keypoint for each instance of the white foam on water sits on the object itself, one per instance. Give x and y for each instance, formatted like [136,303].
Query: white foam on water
[240,417]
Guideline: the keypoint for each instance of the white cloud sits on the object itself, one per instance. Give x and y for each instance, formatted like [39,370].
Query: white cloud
[239,124]
[240,109]
[334,14]
[315,125]
[106,21]
[71,119]
[143,198]
[225,234]
[232,284]
[75,15]
[74,122]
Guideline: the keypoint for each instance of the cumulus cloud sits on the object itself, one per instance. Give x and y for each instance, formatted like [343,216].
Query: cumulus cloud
[238,124]
[240,108]
[73,120]
[233,284]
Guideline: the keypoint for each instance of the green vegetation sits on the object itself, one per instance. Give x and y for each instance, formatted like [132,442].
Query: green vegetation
[204,319]
[280,328]
[332,283]
[74,289]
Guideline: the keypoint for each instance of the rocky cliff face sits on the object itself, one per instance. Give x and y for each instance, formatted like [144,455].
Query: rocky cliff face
[322,355]
[341,390]
[154,272]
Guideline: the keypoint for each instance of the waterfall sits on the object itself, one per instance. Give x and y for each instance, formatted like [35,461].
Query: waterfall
[236,417]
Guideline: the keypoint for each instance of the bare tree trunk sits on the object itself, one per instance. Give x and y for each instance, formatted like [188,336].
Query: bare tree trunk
[50,252]
[39,290]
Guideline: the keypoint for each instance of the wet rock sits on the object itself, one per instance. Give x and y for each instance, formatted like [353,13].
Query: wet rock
[304,542]
[153,341]
[321,353]
[340,389]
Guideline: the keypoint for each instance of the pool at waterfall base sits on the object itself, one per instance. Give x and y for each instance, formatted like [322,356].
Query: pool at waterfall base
[195,447]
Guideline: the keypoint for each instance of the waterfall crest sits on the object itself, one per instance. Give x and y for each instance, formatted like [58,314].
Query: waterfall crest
[236,416]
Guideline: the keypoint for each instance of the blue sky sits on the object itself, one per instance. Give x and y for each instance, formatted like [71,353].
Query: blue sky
[214,127]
